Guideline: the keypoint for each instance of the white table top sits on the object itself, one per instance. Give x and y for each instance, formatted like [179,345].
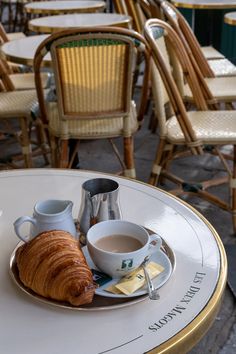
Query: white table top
[187,301]
[205,4]
[51,24]
[45,7]
[230,18]
[22,50]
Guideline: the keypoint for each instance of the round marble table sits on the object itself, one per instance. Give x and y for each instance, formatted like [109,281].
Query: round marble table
[60,7]
[22,50]
[204,5]
[189,300]
[52,24]
[230,18]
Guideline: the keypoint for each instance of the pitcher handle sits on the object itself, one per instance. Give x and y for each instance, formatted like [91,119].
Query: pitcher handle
[17,224]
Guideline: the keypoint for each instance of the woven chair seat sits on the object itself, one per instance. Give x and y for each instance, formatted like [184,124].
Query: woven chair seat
[211,127]
[211,53]
[222,88]
[18,104]
[222,67]
[89,128]
[26,81]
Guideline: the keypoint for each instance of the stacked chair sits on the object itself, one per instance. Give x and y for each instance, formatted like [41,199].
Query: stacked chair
[94,71]
[18,102]
[216,90]
[211,62]
[182,132]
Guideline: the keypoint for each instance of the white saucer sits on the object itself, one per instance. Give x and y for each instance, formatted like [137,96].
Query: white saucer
[158,257]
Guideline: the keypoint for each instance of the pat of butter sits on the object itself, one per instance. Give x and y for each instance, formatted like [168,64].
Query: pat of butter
[135,280]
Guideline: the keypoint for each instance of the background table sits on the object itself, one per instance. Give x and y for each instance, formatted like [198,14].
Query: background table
[22,50]
[230,34]
[59,7]
[188,301]
[211,13]
[51,24]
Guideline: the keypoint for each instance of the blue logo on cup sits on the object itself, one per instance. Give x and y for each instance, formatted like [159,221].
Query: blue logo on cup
[127,263]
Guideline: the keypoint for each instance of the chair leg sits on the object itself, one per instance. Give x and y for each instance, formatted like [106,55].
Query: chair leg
[156,167]
[233,192]
[42,140]
[64,154]
[129,157]
[25,142]
[54,150]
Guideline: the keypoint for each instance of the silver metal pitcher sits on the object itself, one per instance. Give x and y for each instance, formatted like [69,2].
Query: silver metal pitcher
[99,202]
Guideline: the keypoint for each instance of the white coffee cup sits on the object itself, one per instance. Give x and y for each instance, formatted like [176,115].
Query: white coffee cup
[122,235]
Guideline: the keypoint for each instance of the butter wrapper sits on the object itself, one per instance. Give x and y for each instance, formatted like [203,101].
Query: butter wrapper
[135,280]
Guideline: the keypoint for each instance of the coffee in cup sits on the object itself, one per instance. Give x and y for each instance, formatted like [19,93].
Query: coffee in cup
[117,247]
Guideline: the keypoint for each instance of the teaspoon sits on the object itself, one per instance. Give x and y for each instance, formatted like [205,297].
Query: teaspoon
[152,292]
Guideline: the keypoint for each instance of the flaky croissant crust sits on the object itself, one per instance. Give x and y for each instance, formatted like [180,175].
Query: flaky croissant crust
[53,265]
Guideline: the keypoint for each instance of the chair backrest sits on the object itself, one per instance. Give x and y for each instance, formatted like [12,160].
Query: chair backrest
[181,26]
[145,6]
[6,82]
[172,16]
[3,35]
[154,30]
[120,7]
[93,71]
[138,10]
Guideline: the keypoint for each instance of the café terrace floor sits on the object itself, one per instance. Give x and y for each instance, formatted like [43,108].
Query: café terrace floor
[98,156]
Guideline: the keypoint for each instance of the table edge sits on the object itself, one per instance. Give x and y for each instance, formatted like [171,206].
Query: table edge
[203,6]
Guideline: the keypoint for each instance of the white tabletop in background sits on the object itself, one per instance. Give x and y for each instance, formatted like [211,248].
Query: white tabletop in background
[22,50]
[54,23]
[47,6]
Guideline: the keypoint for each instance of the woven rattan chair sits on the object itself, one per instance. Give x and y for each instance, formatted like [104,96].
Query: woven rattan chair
[217,67]
[18,105]
[21,105]
[6,37]
[138,10]
[19,81]
[215,89]
[93,71]
[187,132]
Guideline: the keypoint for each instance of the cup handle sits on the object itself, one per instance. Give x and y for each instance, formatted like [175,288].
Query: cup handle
[154,243]
[17,224]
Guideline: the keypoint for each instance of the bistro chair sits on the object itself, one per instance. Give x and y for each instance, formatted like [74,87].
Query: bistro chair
[138,10]
[185,133]
[18,105]
[218,66]
[93,70]
[21,105]
[6,37]
[216,90]
[20,81]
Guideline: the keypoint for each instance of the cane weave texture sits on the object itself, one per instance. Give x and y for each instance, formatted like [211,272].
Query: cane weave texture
[210,127]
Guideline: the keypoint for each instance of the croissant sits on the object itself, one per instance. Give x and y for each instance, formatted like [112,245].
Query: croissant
[53,266]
